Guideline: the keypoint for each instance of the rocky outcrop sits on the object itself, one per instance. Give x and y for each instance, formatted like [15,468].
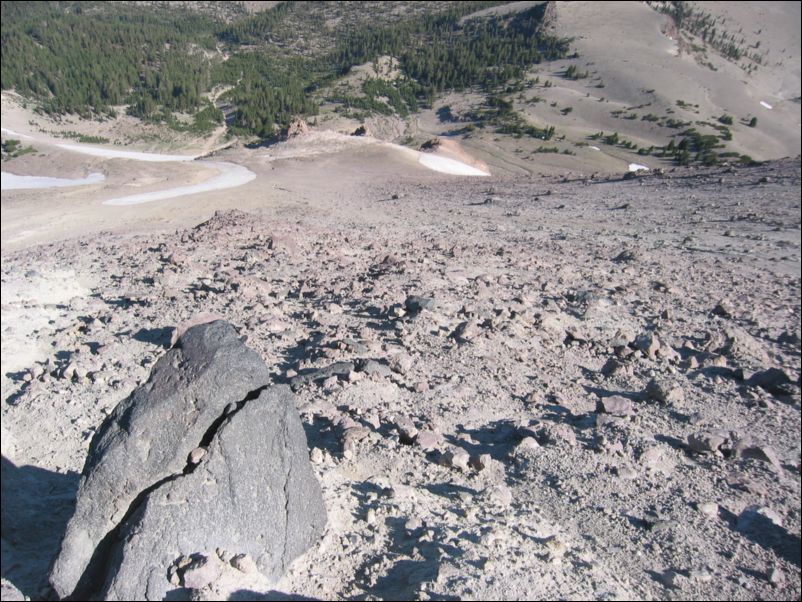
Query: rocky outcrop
[296,127]
[431,145]
[148,481]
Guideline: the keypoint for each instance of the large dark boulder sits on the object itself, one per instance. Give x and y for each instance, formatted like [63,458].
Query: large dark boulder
[142,451]
[252,493]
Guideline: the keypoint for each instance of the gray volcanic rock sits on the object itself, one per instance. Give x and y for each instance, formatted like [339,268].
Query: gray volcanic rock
[773,380]
[148,436]
[254,493]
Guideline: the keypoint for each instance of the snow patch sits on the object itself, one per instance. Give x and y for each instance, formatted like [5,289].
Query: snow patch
[13,133]
[12,181]
[637,167]
[450,166]
[96,151]
[230,175]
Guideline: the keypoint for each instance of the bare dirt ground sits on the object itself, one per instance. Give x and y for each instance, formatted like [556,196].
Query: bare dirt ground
[582,410]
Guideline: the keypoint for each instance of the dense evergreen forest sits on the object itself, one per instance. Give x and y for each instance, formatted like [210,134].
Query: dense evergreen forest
[83,58]
[159,58]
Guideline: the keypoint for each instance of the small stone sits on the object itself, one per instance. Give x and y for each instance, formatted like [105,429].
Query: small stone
[200,572]
[556,548]
[627,472]
[428,440]
[499,495]
[196,455]
[352,436]
[663,392]
[557,434]
[723,308]
[612,366]
[775,577]
[316,456]
[615,405]
[370,516]
[407,431]
[653,459]
[421,387]
[373,368]
[707,442]
[481,462]
[709,509]
[747,448]
[396,311]
[413,524]
[456,458]
[416,303]
[466,332]
[527,444]
[69,371]
[401,363]
[648,344]
[773,380]
[244,563]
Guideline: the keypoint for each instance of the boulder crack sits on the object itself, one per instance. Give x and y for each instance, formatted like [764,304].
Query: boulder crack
[286,492]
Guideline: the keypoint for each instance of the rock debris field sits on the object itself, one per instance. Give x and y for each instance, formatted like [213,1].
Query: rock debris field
[524,388]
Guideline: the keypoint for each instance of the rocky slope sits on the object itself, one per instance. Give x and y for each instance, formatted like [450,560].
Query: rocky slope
[511,388]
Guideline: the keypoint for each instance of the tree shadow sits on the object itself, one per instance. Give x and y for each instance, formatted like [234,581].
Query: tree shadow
[36,506]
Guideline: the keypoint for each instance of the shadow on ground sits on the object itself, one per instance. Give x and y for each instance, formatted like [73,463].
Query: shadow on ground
[36,505]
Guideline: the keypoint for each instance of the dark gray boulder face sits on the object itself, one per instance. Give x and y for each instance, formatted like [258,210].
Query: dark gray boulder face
[147,439]
[254,493]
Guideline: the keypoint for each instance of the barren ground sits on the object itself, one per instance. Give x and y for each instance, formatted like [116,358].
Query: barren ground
[532,299]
